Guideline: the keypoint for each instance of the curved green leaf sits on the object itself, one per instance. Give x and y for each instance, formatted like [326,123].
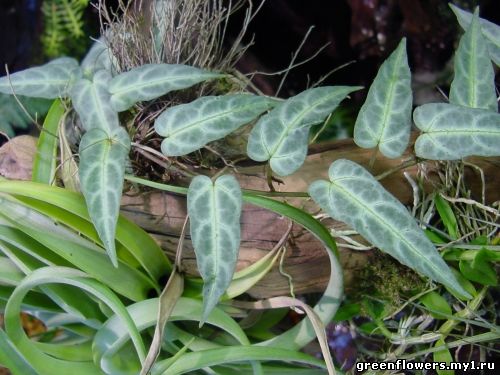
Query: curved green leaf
[49,81]
[188,127]
[282,135]
[356,198]
[384,120]
[91,101]
[451,132]
[151,81]
[489,30]
[12,359]
[214,210]
[474,82]
[102,165]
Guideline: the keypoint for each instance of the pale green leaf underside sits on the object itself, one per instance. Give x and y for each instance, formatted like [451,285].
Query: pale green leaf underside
[49,81]
[98,57]
[489,29]
[453,132]
[102,165]
[91,101]
[151,81]
[188,127]
[214,211]
[356,198]
[384,120]
[474,82]
[282,135]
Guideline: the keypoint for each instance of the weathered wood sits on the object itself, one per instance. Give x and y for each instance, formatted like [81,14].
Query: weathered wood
[162,214]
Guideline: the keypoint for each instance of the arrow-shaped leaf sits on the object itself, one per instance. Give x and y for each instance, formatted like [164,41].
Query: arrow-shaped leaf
[282,135]
[384,120]
[474,82]
[102,165]
[214,210]
[188,127]
[91,101]
[49,81]
[489,29]
[153,80]
[452,132]
[354,196]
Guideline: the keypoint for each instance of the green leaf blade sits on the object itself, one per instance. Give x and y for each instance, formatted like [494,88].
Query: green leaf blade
[150,81]
[474,82]
[356,198]
[189,127]
[384,120]
[49,81]
[214,210]
[451,132]
[102,166]
[489,30]
[91,101]
[281,136]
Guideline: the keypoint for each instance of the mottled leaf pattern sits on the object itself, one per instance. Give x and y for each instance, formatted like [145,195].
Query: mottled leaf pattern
[153,80]
[49,81]
[282,135]
[99,57]
[474,82]
[188,127]
[356,198]
[102,163]
[384,120]
[91,101]
[451,132]
[489,29]
[214,211]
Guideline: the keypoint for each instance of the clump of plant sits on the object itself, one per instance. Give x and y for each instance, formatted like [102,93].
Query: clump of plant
[65,249]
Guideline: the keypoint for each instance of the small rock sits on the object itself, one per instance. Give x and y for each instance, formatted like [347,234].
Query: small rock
[16,157]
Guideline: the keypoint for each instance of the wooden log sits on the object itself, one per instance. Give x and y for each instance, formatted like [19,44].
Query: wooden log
[162,214]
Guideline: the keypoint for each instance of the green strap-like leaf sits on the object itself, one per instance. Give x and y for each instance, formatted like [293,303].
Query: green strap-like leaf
[282,135]
[153,80]
[384,120]
[214,210]
[452,132]
[356,198]
[91,101]
[102,165]
[49,81]
[474,82]
[188,127]
[489,29]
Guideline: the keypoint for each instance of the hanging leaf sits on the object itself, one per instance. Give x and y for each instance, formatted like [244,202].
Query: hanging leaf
[214,210]
[489,30]
[384,120]
[102,165]
[13,115]
[153,80]
[282,135]
[91,101]
[49,81]
[451,132]
[356,198]
[474,82]
[188,127]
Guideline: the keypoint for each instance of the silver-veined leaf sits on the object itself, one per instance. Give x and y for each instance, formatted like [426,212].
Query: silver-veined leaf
[153,80]
[91,101]
[49,81]
[354,196]
[102,165]
[451,132]
[474,82]
[188,127]
[214,211]
[282,135]
[489,29]
[384,120]
[99,57]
